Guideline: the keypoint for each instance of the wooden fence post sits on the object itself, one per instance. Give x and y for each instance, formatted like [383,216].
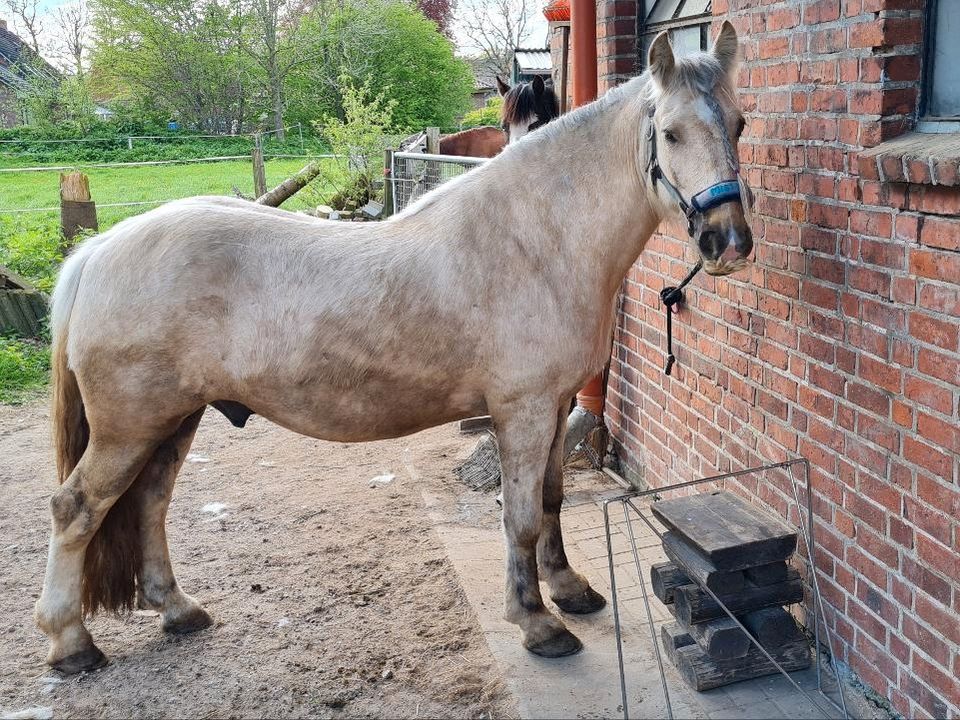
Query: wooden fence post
[77,211]
[259,171]
[433,140]
[387,183]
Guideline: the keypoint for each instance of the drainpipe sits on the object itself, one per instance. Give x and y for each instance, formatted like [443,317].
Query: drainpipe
[583,18]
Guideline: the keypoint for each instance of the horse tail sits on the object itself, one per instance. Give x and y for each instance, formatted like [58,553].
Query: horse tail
[113,557]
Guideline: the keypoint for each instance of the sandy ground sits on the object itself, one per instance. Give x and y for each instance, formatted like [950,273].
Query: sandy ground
[332,597]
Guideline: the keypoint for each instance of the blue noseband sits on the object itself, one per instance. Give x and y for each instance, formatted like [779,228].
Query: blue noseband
[722,192]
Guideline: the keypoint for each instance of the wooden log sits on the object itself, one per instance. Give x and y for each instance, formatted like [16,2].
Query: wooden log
[665,577]
[673,637]
[720,638]
[733,533]
[699,567]
[767,574]
[771,626]
[259,170]
[694,605]
[701,672]
[77,211]
[289,187]
[433,140]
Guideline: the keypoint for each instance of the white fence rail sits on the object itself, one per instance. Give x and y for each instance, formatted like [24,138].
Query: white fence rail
[413,174]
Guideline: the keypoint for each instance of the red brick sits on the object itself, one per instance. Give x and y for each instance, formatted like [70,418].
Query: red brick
[937,365]
[941,233]
[926,456]
[935,265]
[934,331]
[921,391]
[869,398]
[881,374]
[940,298]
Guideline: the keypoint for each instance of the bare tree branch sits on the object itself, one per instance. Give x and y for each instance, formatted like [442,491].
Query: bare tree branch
[72,23]
[27,19]
[496,27]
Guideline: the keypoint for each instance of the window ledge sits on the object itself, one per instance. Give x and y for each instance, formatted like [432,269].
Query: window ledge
[921,158]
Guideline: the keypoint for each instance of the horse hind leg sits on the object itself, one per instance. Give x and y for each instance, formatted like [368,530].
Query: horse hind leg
[152,490]
[569,590]
[92,560]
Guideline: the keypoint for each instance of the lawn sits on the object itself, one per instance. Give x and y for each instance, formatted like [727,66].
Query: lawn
[160,183]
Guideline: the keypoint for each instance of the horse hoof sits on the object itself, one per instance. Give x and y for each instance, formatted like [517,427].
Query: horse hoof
[87,659]
[559,645]
[193,620]
[589,601]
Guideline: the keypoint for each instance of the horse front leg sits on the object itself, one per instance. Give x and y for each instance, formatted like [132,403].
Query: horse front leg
[568,589]
[525,435]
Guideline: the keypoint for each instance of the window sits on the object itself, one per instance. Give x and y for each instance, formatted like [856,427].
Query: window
[941,90]
[687,20]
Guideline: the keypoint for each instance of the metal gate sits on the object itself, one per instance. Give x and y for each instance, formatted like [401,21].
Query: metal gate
[413,174]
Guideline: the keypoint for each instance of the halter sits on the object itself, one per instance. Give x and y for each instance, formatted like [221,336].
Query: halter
[720,193]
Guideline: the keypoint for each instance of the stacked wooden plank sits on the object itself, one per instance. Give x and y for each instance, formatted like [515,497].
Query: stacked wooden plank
[740,552]
[22,307]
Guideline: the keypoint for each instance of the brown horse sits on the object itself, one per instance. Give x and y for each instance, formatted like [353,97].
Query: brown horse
[459,306]
[481,142]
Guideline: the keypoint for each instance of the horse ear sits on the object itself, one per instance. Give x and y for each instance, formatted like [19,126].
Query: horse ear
[538,85]
[502,87]
[660,60]
[726,48]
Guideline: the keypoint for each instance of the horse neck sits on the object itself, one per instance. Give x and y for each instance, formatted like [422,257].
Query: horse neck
[589,192]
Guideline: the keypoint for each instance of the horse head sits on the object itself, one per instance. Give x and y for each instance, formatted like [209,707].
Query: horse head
[689,148]
[526,106]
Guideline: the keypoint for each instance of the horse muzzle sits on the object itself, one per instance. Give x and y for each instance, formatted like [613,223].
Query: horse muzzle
[725,245]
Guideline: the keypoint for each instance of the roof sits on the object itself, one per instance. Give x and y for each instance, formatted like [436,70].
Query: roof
[18,62]
[484,74]
[533,60]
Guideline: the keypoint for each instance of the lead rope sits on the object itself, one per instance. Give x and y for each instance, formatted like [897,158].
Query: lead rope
[671,296]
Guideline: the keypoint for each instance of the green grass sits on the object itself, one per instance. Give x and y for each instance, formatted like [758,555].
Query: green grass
[21,190]
[24,369]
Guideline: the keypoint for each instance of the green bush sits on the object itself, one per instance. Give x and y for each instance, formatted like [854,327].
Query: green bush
[30,247]
[24,369]
[489,115]
[107,142]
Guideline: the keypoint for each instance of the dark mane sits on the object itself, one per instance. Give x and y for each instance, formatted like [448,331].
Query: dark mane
[521,102]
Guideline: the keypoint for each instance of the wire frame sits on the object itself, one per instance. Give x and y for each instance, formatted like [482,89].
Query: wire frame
[415,174]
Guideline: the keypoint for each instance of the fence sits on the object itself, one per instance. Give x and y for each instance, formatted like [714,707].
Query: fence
[415,174]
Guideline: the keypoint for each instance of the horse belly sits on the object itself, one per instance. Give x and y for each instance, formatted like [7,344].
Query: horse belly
[373,410]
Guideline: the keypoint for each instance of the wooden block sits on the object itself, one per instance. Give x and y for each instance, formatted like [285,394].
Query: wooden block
[720,638]
[699,566]
[673,638]
[702,672]
[770,626]
[694,605]
[768,574]
[731,532]
[665,577]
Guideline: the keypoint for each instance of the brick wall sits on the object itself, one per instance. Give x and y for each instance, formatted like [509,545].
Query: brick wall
[841,344]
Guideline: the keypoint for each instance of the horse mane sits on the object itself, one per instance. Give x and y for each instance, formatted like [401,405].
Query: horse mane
[521,102]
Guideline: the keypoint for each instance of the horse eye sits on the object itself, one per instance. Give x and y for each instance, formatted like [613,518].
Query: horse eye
[669,137]
[740,127]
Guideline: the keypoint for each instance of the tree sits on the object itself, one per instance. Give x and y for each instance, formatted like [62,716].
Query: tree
[182,57]
[27,20]
[275,41]
[496,27]
[72,23]
[440,11]
[401,52]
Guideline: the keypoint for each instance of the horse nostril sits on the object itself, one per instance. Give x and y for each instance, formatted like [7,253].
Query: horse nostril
[745,243]
[711,244]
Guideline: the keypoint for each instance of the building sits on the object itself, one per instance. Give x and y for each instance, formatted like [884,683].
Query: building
[19,65]
[843,343]
[530,62]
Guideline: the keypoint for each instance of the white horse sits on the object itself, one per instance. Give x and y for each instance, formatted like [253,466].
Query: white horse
[493,294]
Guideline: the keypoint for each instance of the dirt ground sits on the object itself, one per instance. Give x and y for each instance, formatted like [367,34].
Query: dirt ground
[331,593]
